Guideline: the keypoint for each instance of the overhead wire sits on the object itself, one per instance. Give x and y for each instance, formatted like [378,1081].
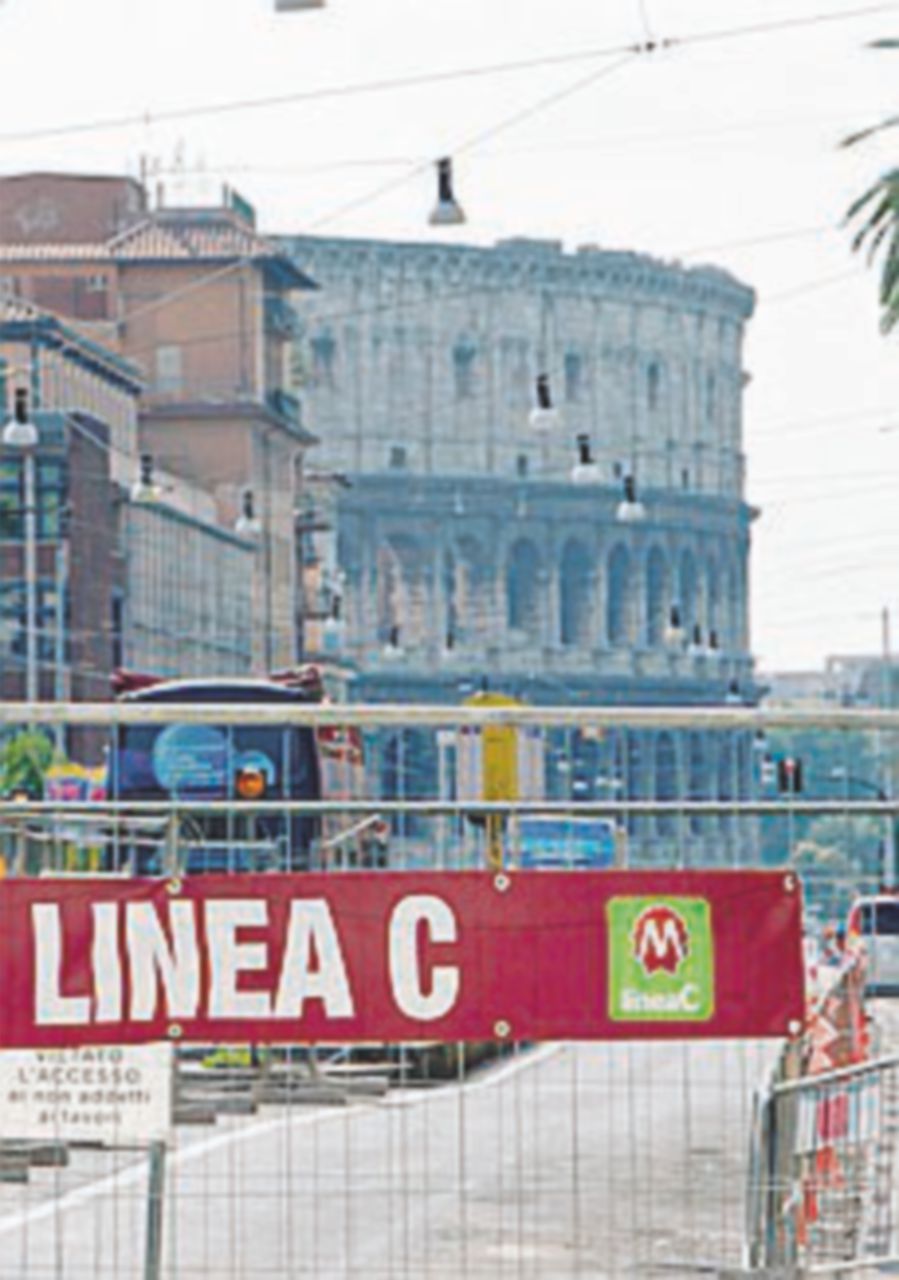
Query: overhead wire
[468,144]
[543,103]
[813,286]
[422,79]
[630,50]
[602,144]
[492,131]
[810,424]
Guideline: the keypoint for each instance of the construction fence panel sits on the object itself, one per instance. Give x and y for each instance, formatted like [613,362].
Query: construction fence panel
[502,1155]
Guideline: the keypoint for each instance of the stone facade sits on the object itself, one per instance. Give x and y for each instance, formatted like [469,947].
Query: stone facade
[467,548]
[463,531]
[189,607]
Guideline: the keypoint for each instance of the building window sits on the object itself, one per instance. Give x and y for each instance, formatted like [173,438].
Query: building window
[324,354]
[12,619]
[464,358]
[398,457]
[522,465]
[92,298]
[51,486]
[574,377]
[169,374]
[711,398]
[12,499]
[117,629]
[653,386]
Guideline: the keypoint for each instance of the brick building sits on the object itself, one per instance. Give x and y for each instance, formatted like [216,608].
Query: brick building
[83,400]
[201,304]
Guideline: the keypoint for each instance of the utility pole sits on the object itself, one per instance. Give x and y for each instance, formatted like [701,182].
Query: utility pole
[885,756]
[21,435]
[31,682]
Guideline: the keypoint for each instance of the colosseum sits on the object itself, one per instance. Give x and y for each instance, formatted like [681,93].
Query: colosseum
[594,553]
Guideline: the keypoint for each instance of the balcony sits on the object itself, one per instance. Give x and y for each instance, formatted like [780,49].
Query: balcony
[285,406]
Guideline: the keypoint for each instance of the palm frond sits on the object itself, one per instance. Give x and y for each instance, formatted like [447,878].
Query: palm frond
[873,223]
[862,135]
[875,215]
[882,184]
[877,240]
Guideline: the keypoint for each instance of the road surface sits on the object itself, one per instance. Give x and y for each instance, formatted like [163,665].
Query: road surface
[567,1161]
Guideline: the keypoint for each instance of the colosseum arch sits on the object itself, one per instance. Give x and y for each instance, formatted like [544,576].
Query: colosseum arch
[697,775]
[575,595]
[658,596]
[713,598]
[466,607]
[448,575]
[730,583]
[524,604]
[620,602]
[666,779]
[687,589]
[726,763]
[402,607]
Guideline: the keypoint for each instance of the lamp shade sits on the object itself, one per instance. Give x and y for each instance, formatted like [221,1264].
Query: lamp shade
[585,470]
[20,432]
[544,416]
[630,508]
[447,212]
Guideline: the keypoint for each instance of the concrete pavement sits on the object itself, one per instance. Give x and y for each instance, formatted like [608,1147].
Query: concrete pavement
[567,1161]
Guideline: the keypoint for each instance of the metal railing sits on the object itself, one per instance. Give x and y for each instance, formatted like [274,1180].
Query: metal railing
[454,1161]
[823,1192]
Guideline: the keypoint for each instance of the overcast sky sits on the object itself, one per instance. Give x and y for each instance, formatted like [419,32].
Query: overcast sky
[720,151]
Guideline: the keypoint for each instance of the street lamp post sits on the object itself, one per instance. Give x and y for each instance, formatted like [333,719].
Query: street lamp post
[21,434]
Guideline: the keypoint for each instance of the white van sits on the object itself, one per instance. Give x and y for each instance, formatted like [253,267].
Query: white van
[873,924]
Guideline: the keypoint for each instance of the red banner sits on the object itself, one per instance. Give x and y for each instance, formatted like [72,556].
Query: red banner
[539,955]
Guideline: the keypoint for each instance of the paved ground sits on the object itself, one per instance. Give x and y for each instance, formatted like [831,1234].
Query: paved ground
[885,1013]
[570,1161]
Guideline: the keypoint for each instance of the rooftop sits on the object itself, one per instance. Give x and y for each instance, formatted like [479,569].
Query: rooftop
[216,235]
[540,257]
[20,320]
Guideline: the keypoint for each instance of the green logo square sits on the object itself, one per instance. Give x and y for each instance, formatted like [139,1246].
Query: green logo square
[661,960]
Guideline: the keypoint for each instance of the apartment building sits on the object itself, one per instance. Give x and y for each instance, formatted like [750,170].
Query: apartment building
[200,304]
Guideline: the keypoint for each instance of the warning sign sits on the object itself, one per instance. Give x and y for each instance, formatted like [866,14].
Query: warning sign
[109,1095]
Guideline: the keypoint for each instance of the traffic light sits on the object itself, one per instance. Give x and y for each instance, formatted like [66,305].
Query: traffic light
[789,775]
[768,771]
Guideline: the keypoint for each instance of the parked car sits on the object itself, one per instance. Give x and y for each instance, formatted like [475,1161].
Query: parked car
[873,925]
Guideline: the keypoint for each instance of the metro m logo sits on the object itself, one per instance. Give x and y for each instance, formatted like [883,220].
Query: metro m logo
[661,959]
[661,940]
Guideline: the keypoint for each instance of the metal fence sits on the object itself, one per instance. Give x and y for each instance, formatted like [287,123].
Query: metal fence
[496,1159]
[824,1187]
